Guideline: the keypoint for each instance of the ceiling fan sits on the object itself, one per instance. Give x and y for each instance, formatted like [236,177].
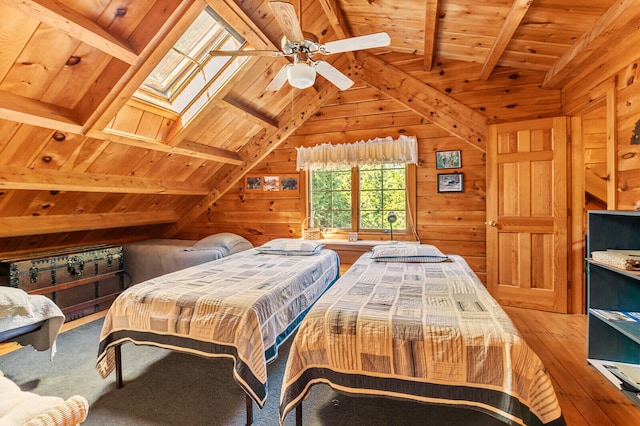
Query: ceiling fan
[302,47]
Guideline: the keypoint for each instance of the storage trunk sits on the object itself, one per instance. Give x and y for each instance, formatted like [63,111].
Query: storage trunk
[80,280]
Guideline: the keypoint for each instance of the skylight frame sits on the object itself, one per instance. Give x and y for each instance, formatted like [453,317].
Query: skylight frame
[193,63]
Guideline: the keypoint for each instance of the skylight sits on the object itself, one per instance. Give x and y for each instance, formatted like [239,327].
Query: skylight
[188,76]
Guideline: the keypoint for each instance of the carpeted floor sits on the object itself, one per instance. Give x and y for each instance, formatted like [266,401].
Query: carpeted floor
[168,388]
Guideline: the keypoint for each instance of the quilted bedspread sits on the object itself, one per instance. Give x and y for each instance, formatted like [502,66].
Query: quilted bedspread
[242,307]
[427,332]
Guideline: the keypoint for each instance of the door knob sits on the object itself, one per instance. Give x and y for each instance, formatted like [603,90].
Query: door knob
[490,223]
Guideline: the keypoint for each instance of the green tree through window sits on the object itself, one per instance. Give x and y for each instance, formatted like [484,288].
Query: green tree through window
[374,190]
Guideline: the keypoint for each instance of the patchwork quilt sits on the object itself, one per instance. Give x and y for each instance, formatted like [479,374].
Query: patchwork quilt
[242,307]
[428,332]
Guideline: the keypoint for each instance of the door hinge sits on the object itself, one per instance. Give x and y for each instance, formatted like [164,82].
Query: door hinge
[569,212]
[568,285]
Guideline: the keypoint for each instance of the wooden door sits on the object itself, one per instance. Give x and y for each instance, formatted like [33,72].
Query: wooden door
[527,191]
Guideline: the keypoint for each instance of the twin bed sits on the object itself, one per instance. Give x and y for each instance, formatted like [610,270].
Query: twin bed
[241,307]
[151,258]
[405,321]
[409,322]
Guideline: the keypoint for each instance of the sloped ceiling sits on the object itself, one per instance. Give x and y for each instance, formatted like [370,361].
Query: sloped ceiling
[77,153]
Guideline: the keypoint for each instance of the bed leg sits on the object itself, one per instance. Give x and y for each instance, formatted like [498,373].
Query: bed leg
[249,403]
[118,354]
[299,414]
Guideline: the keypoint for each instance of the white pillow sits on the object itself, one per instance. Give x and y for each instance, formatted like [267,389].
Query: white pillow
[14,302]
[232,242]
[290,247]
[408,253]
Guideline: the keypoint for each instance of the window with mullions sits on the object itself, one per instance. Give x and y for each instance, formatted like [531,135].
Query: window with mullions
[188,73]
[359,198]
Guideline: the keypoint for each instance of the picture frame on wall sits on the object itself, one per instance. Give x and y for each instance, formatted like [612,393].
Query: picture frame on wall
[450,182]
[254,183]
[289,183]
[271,183]
[448,159]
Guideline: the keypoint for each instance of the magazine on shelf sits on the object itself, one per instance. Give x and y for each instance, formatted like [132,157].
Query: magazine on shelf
[628,260]
[627,316]
[629,375]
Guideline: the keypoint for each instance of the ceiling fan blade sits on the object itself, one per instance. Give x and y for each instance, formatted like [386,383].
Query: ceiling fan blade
[286,16]
[332,74]
[245,53]
[279,80]
[356,43]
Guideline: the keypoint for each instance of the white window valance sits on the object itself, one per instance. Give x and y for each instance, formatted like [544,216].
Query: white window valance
[403,150]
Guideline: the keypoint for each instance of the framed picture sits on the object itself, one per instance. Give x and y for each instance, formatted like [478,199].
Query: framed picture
[450,182]
[289,183]
[254,183]
[448,160]
[272,183]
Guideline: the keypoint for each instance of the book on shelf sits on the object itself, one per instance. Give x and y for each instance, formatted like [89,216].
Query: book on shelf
[627,316]
[629,375]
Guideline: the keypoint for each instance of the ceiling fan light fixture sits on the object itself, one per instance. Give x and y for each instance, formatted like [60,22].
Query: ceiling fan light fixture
[301,75]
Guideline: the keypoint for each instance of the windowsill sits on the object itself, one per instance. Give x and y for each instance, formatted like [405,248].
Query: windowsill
[361,242]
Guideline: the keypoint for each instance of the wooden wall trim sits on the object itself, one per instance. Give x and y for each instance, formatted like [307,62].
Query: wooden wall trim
[34,225]
[576,292]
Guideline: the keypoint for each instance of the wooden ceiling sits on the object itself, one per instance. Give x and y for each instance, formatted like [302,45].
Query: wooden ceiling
[77,153]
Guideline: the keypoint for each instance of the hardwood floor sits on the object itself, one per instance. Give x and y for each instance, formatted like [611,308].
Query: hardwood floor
[585,396]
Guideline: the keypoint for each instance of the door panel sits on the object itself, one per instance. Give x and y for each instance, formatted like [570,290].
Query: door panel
[527,214]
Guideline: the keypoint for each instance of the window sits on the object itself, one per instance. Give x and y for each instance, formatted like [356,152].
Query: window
[188,76]
[359,198]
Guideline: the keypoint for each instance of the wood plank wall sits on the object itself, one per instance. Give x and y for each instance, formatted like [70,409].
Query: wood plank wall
[454,222]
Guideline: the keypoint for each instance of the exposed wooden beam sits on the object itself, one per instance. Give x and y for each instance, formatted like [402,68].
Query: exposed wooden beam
[187,148]
[259,147]
[35,225]
[30,111]
[72,23]
[609,30]
[337,21]
[233,14]
[247,112]
[431,20]
[180,132]
[118,82]
[437,107]
[511,23]
[238,19]
[51,180]
[212,153]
